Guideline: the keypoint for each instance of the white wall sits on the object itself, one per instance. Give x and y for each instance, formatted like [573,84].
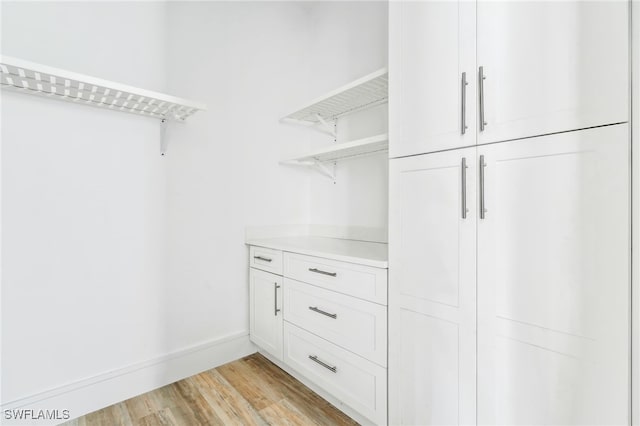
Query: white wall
[115,260]
[83,201]
[245,61]
[350,41]
[253,63]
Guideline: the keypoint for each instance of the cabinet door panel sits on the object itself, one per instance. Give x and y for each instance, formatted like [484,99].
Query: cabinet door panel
[552,66]
[553,280]
[265,316]
[432,290]
[430,45]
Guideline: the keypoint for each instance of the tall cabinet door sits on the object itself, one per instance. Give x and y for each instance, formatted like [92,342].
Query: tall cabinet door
[432,345]
[431,45]
[552,66]
[265,316]
[553,280]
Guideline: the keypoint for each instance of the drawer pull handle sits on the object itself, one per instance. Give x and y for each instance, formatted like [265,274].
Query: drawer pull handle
[483,209]
[481,78]
[318,271]
[464,168]
[266,259]
[320,311]
[331,368]
[275,299]
[463,115]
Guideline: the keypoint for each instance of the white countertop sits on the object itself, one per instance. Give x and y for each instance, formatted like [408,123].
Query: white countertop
[360,252]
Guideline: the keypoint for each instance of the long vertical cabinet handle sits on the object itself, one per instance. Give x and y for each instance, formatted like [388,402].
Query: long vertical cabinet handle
[463,168]
[463,94]
[483,210]
[275,299]
[481,79]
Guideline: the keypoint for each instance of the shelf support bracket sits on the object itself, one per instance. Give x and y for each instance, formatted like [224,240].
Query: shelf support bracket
[324,170]
[326,127]
[164,142]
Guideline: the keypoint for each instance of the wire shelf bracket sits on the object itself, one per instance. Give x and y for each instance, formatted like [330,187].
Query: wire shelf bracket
[316,165]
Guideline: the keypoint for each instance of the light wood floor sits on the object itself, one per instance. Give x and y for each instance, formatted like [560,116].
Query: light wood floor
[249,391]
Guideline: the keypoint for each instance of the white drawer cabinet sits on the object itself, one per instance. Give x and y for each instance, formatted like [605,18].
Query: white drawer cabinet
[266,259]
[359,281]
[356,381]
[354,324]
[325,320]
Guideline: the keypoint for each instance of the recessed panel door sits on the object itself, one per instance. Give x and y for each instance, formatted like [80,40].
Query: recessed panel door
[432,346]
[553,280]
[431,56]
[551,66]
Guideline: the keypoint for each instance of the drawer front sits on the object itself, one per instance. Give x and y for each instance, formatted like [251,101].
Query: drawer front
[265,259]
[360,281]
[358,383]
[357,325]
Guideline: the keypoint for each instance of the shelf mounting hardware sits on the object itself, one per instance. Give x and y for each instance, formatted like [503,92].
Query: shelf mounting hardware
[325,170]
[326,127]
[164,142]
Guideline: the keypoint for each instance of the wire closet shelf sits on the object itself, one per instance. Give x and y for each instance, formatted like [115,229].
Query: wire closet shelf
[41,80]
[365,92]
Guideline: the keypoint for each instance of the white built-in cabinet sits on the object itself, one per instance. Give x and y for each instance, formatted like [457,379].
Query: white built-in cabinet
[553,280]
[266,319]
[324,319]
[544,268]
[265,299]
[540,68]
[509,215]
[431,56]
[551,66]
[432,289]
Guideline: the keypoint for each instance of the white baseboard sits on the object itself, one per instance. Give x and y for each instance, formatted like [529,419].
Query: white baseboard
[91,394]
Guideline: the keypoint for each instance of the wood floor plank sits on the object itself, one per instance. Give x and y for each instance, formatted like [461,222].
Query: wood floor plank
[307,401]
[285,414]
[250,391]
[158,418]
[258,388]
[223,396]
[183,415]
[143,405]
[120,415]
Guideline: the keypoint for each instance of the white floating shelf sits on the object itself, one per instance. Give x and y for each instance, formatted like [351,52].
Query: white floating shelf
[341,151]
[36,79]
[366,92]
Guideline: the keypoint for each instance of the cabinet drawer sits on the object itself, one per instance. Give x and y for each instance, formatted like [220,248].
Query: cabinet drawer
[360,281]
[358,383]
[351,323]
[266,259]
